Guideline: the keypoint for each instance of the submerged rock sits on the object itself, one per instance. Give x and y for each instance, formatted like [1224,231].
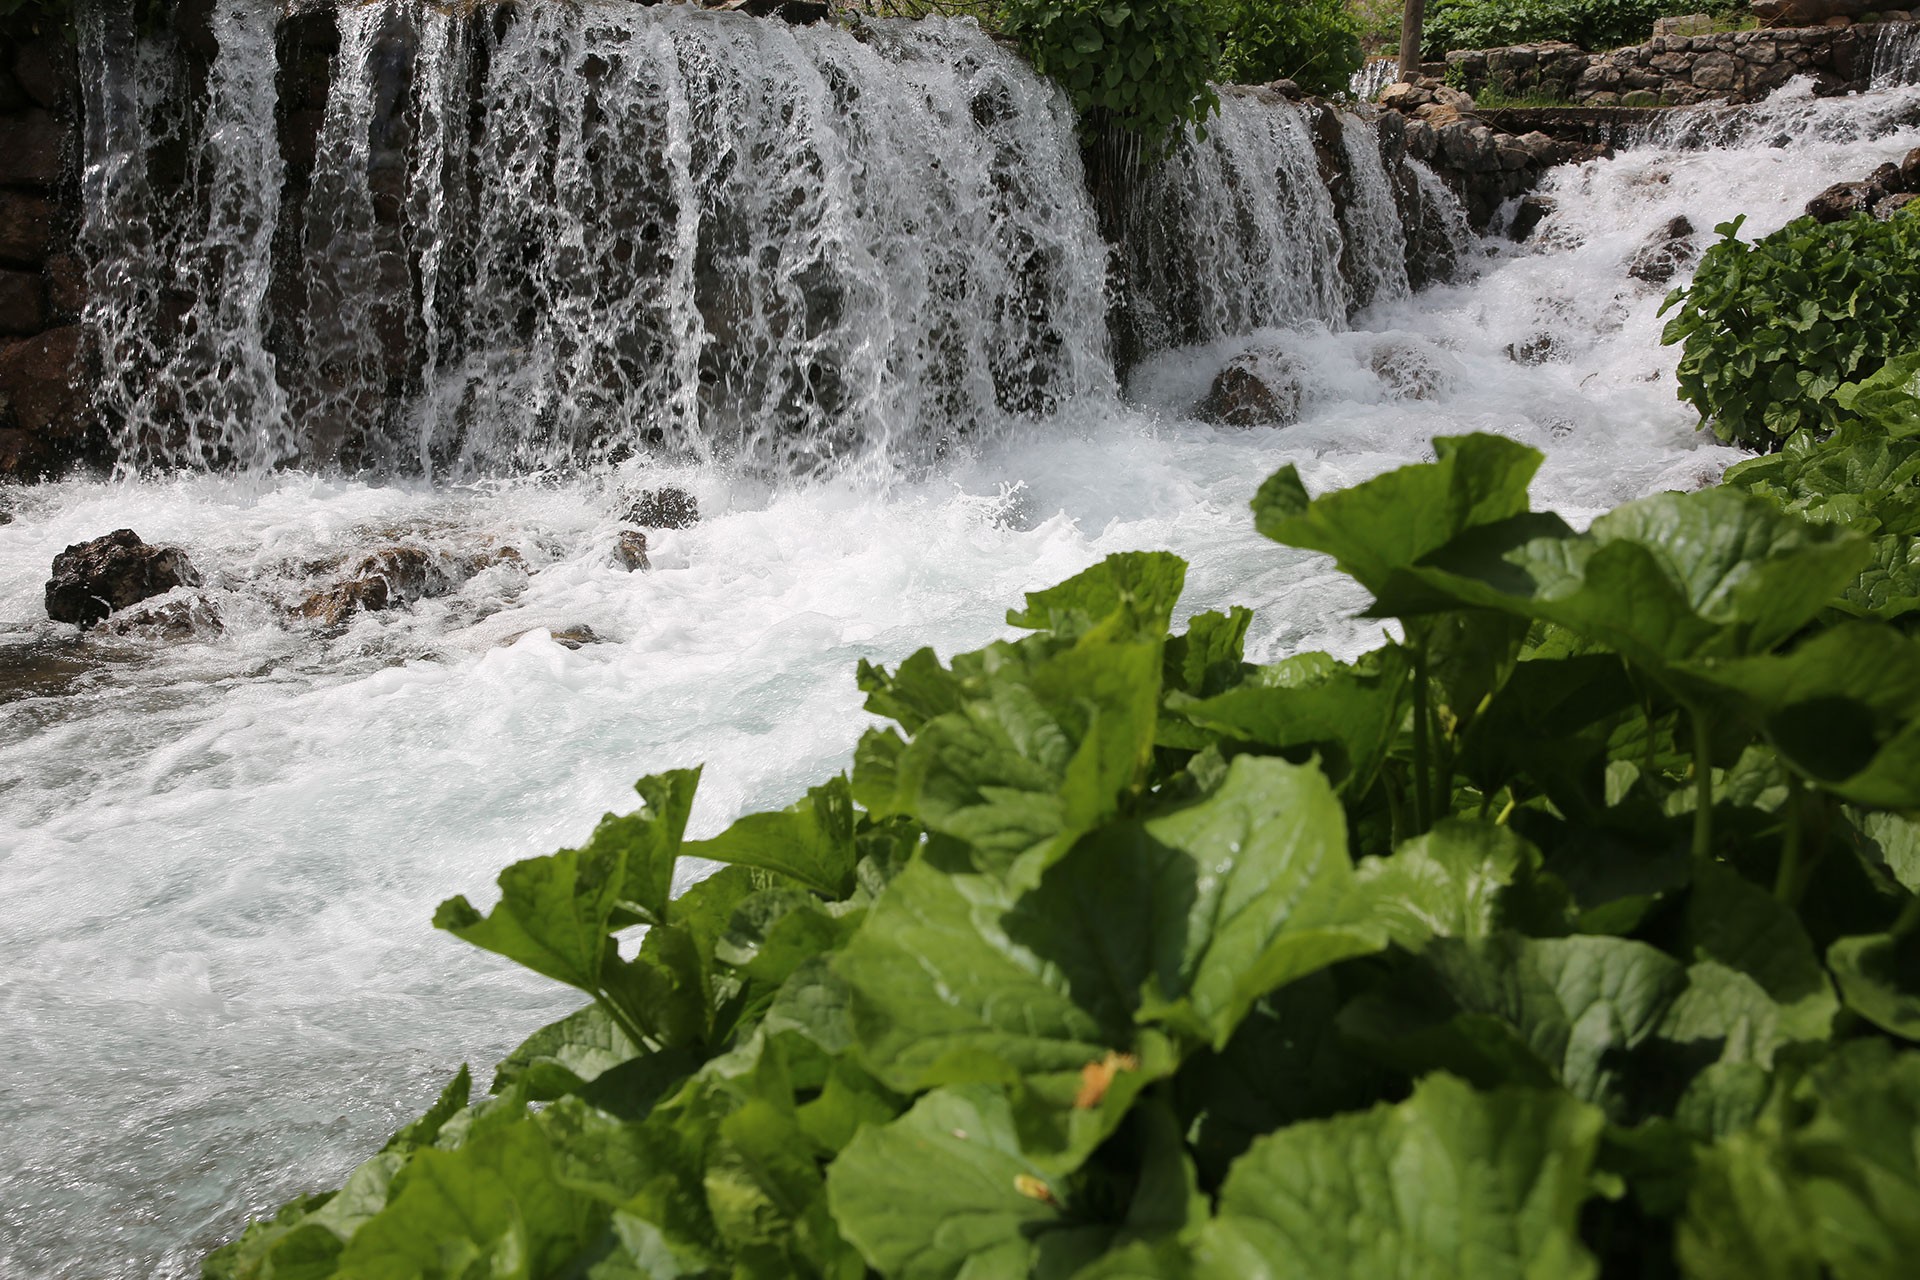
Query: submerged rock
[669,507]
[173,620]
[93,579]
[394,577]
[630,550]
[1258,388]
[1407,372]
[1670,249]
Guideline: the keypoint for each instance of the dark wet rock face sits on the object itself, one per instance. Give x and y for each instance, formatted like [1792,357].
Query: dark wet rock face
[1878,193]
[665,508]
[1256,389]
[1661,258]
[93,579]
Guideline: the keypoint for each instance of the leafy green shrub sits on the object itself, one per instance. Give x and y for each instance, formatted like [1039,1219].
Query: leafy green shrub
[1144,66]
[1591,24]
[1315,43]
[1578,925]
[1772,329]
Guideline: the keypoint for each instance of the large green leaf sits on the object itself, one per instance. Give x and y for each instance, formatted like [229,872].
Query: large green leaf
[650,840]
[1889,400]
[1185,919]
[1879,976]
[1856,478]
[553,915]
[494,1208]
[1889,587]
[1349,713]
[1048,737]
[1827,1185]
[1378,529]
[1449,882]
[1448,1183]
[1525,1011]
[563,1056]
[1143,585]
[946,1191]
[812,842]
[1734,922]
[1843,709]
[1671,577]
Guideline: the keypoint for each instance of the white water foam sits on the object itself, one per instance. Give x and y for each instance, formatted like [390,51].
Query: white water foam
[218,857]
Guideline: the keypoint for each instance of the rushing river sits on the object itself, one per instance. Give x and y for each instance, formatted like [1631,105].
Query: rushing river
[219,856]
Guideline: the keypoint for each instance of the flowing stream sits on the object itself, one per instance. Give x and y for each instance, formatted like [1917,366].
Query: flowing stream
[852,294]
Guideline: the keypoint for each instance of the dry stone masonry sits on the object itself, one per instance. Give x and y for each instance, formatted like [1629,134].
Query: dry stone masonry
[1677,70]
[42,284]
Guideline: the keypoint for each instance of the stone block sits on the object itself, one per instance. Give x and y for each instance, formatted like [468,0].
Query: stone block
[26,227]
[31,145]
[1717,73]
[66,277]
[40,378]
[23,302]
[44,68]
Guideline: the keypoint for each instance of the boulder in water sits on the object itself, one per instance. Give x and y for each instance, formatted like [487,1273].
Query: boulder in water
[630,550]
[1670,249]
[1408,371]
[173,620]
[1528,215]
[394,577]
[668,507]
[1843,200]
[93,579]
[1255,389]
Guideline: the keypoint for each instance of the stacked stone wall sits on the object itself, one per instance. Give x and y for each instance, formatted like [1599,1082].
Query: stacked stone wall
[1674,70]
[43,419]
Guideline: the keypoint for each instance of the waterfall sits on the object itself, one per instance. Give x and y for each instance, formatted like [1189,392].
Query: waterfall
[1366,83]
[1896,56]
[524,238]
[1376,242]
[1236,231]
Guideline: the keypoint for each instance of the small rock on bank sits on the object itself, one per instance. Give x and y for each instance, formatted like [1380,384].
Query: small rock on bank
[93,579]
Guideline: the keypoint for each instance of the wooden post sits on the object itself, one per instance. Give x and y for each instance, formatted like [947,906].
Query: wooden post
[1412,19]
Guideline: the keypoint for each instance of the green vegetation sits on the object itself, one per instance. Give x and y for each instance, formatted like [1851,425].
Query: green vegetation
[1591,24]
[1315,43]
[1578,929]
[1773,329]
[1144,66]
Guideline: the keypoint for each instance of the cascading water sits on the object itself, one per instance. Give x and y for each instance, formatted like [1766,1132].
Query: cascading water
[1235,232]
[627,229]
[1896,55]
[219,854]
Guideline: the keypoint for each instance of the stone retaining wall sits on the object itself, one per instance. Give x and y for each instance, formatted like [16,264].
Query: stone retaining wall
[42,282]
[1674,71]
